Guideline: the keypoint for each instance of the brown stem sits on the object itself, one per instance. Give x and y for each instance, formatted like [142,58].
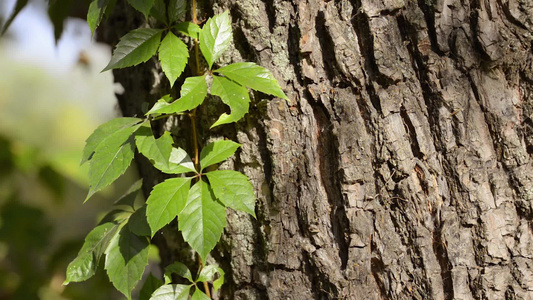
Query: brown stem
[198,72]
[194,130]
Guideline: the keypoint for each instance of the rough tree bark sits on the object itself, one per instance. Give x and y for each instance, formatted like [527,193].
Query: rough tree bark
[401,167]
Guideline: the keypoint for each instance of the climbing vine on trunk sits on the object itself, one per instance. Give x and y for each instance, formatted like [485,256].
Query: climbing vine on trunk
[200,194]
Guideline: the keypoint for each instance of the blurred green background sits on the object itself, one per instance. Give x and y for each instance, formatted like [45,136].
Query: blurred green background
[52,96]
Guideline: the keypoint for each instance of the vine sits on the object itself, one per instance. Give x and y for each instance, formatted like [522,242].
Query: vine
[200,194]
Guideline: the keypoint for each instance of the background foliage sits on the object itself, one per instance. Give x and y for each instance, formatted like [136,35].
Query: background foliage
[43,126]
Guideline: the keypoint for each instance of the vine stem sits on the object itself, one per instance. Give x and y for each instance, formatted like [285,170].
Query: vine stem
[195,131]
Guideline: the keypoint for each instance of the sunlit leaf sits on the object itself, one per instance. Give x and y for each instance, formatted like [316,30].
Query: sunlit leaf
[104,131]
[215,37]
[151,284]
[84,265]
[254,77]
[216,152]
[135,47]
[233,189]
[199,295]
[189,29]
[166,200]
[111,159]
[202,220]
[144,6]
[97,10]
[234,95]
[161,153]
[173,54]
[208,274]
[180,158]
[126,258]
[172,292]
[179,269]
[193,92]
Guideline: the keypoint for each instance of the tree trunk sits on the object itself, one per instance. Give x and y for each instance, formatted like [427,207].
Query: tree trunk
[401,167]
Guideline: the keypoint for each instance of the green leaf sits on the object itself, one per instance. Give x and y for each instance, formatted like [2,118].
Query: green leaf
[233,189]
[176,10]
[84,265]
[215,37]
[128,199]
[104,131]
[179,269]
[179,157]
[19,5]
[202,220]
[217,152]
[166,200]
[193,92]
[151,284]
[126,258]
[189,29]
[173,54]
[161,153]
[116,216]
[234,95]
[172,292]
[138,224]
[97,10]
[135,47]
[254,77]
[208,274]
[199,295]
[111,159]
[58,11]
[159,11]
[144,6]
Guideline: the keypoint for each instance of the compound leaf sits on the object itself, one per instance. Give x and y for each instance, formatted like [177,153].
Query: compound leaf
[254,77]
[234,95]
[166,201]
[126,258]
[179,269]
[104,131]
[233,189]
[193,92]
[135,47]
[173,54]
[172,292]
[96,242]
[217,152]
[215,37]
[151,284]
[144,6]
[202,220]
[111,159]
